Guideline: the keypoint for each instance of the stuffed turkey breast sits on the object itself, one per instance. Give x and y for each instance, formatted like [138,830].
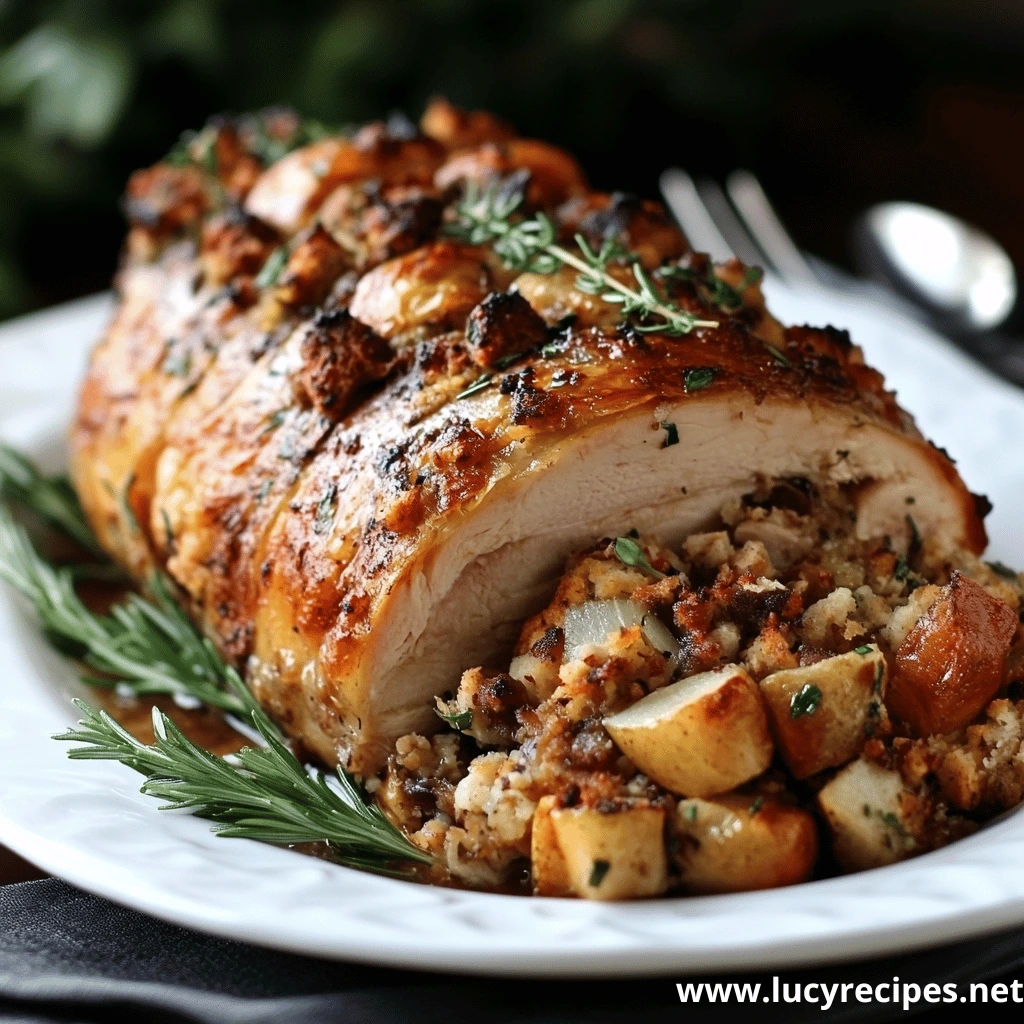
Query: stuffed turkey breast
[363,448]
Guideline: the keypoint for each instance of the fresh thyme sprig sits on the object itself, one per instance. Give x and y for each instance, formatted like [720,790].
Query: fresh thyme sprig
[528,244]
[263,794]
[50,497]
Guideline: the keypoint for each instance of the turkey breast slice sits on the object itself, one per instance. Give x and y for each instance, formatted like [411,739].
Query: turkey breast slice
[456,596]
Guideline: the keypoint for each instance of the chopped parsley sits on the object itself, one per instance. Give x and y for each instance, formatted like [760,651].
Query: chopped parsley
[894,823]
[168,531]
[271,271]
[325,509]
[691,812]
[671,434]
[178,363]
[756,806]
[478,385]
[458,720]
[865,649]
[126,509]
[779,357]
[698,379]
[598,871]
[915,533]
[879,675]
[630,553]
[902,569]
[275,420]
[805,701]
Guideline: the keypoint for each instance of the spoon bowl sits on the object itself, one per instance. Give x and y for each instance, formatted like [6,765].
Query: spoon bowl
[959,274]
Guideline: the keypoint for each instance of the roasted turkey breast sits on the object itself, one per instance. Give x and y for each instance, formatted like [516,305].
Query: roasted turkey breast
[362,449]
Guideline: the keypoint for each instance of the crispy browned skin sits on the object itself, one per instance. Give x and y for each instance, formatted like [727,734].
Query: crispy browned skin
[289,451]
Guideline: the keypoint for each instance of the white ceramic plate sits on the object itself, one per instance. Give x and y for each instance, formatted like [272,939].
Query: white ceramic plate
[86,821]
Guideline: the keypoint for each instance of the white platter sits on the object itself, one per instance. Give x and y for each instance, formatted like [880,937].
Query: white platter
[86,821]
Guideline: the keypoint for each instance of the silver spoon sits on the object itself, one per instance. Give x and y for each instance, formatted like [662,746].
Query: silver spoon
[956,273]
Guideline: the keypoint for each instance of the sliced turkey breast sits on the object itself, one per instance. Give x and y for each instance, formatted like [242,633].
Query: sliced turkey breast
[363,452]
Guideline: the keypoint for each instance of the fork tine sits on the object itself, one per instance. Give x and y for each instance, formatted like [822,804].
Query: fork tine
[685,203]
[750,200]
[737,236]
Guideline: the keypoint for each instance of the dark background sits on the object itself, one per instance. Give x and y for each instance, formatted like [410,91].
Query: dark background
[834,103]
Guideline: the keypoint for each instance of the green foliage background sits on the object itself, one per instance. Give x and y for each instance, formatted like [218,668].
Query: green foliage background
[90,89]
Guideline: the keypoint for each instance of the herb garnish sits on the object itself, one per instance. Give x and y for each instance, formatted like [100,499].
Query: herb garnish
[865,649]
[151,647]
[126,507]
[598,870]
[529,245]
[756,806]
[325,509]
[671,434]
[630,553]
[177,362]
[479,384]
[691,812]
[457,720]
[272,268]
[894,823]
[782,360]
[915,533]
[698,378]
[264,794]
[50,497]
[805,701]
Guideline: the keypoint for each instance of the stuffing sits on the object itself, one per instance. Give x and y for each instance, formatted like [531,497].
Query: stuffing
[690,718]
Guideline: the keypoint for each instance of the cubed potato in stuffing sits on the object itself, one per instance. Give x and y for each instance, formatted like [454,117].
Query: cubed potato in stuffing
[735,843]
[547,863]
[952,662]
[615,853]
[821,714]
[863,805]
[703,735]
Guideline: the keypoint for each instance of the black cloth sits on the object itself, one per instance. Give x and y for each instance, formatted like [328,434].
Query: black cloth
[71,957]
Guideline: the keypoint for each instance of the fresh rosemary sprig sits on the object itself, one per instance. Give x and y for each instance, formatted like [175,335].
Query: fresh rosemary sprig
[147,647]
[488,217]
[151,647]
[263,794]
[50,497]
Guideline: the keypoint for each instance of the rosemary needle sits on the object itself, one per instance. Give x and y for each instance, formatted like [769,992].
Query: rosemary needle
[50,497]
[151,647]
[263,794]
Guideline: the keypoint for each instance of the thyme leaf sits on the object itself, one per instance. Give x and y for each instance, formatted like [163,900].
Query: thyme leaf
[529,244]
[698,379]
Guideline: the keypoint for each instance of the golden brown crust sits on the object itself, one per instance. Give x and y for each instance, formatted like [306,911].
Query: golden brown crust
[281,460]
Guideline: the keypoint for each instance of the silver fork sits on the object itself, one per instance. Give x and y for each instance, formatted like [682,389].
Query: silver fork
[742,224]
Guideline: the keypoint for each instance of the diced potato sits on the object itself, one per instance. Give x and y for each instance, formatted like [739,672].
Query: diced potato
[703,735]
[864,808]
[547,864]
[951,664]
[735,843]
[614,854]
[821,714]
